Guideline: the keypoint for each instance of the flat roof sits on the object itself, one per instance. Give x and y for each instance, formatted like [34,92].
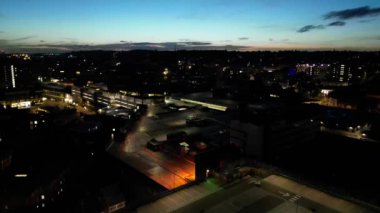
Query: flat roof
[170,172]
[206,99]
[274,194]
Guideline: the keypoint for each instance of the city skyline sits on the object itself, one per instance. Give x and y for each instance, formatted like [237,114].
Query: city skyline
[59,26]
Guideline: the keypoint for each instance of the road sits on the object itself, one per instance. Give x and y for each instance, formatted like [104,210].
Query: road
[354,135]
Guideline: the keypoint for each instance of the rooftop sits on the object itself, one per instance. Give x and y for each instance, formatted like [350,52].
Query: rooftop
[274,194]
[169,170]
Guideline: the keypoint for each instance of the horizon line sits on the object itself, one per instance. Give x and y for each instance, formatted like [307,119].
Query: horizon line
[193,50]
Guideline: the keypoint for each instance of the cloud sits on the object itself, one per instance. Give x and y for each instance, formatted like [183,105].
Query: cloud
[358,12]
[2,32]
[68,47]
[23,38]
[342,15]
[337,24]
[308,28]
[225,41]
[170,44]
[165,46]
[195,43]
[14,42]
[282,41]
[42,41]
[243,38]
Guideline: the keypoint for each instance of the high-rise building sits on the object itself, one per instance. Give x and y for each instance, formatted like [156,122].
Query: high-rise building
[8,77]
[342,73]
[318,71]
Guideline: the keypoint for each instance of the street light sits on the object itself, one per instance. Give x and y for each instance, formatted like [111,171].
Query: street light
[165,72]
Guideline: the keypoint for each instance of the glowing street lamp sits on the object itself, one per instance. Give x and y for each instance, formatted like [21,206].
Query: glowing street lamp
[165,72]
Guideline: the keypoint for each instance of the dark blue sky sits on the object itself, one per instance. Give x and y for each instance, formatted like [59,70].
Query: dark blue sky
[49,25]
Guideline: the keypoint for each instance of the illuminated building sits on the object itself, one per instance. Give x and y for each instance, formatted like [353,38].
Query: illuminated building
[346,73]
[8,77]
[101,97]
[314,70]
[56,92]
[19,99]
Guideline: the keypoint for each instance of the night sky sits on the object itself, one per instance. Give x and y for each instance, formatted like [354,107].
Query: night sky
[65,25]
